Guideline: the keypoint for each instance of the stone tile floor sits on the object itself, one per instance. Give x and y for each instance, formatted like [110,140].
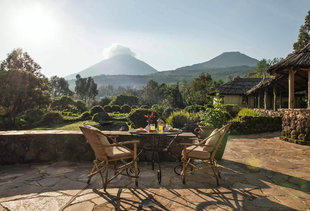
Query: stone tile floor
[259,172]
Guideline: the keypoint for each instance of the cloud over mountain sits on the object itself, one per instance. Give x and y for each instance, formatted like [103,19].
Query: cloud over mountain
[116,50]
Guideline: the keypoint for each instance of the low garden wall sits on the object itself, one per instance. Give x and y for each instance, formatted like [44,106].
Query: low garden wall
[46,146]
[250,125]
[295,124]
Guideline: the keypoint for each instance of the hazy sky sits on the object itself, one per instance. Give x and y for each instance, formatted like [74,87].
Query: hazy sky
[67,36]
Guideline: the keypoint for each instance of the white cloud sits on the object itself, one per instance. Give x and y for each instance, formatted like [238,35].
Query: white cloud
[117,49]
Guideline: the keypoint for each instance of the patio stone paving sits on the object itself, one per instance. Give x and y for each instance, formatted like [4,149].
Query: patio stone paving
[259,172]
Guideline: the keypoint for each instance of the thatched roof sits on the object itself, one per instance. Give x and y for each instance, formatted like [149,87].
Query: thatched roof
[297,60]
[263,83]
[238,86]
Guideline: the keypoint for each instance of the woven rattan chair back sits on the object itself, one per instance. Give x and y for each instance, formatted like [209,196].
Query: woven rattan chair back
[96,140]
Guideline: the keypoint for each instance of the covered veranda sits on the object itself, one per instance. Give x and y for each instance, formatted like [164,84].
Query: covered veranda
[290,85]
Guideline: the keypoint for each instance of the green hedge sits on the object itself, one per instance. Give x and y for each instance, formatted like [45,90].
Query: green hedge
[250,125]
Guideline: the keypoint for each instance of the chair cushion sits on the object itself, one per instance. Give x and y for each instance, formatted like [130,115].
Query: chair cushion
[118,152]
[199,152]
[214,137]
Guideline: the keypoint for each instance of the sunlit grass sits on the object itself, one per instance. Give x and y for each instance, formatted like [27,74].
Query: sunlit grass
[66,126]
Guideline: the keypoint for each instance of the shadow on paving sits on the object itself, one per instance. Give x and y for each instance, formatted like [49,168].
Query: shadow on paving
[241,186]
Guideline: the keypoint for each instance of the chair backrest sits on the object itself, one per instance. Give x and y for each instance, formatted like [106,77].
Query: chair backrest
[97,140]
[222,133]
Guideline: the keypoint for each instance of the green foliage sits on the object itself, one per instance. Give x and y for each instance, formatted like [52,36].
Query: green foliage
[197,92]
[86,88]
[137,119]
[61,103]
[262,67]
[59,87]
[19,60]
[20,91]
[104,101]
[85,116]
[96,109]
[125,109]
[159,109]
[194,108]
[145,107]
[167,112]
[304,34]
[101,117]
[33,115]
[124,99]
[107,109]
[232,109]
[179,118]
[115,108]
[51,118]
[216,116]
[80,105]
[247,112]
[67,104]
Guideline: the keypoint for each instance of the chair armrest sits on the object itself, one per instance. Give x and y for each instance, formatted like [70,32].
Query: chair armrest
[121,143]
[190,144]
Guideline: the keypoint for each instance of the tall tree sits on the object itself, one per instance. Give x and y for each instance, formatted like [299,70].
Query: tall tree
[262,67]
[304,34]
[20,91]
[59,87]
[150,93]
[20,60]
[86,88]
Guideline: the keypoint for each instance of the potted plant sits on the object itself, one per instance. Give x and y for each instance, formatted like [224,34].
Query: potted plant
[213,118]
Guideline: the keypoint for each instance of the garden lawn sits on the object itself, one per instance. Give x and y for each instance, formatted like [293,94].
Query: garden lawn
[66,126]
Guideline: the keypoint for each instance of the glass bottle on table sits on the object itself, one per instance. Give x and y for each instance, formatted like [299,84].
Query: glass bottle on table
[160,125]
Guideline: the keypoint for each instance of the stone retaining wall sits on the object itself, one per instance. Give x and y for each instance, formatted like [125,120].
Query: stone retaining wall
[295,123]
[45,146]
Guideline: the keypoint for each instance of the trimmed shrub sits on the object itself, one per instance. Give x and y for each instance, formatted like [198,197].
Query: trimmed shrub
[179,118]
[107,109]
[232,109]
[96,109]
[247,112]
[194,108]
[51,118]
[125,109]
[250,125]
[104,101]
[159,109]
[101,117]
[115,108]
[61,103]
[33,115]
[85,116]
[124,99]
[137,119]
[145,107]
[167,112]
[80,105]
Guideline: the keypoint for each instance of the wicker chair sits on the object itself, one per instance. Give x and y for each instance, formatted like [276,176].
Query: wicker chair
[107,153]
[203,152]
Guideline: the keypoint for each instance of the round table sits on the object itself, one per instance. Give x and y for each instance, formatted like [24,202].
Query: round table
[156,147]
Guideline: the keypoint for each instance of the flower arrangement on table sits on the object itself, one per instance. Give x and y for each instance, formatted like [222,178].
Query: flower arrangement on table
[150,117]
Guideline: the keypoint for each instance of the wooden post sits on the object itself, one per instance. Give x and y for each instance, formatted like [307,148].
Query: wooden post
[308,89]
[258,99]
[274,97]
[291,96]
[280,106]
[265,98]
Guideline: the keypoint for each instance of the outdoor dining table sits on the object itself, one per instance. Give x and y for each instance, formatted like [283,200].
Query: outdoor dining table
[156,146]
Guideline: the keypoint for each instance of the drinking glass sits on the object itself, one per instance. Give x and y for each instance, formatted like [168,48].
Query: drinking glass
[152,127]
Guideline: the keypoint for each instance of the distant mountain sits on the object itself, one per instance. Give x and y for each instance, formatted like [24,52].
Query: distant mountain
[226,59]
[227,64]
[117,65]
